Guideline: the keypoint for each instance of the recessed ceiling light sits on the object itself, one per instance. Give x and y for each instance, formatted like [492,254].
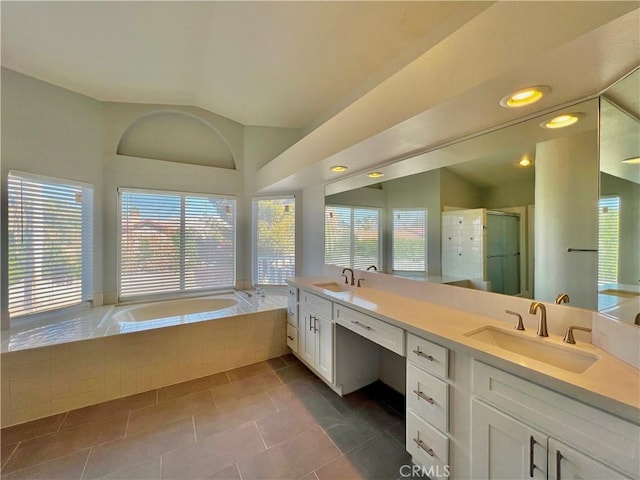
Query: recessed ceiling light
[339,168]
[375,174]
[632,160]
[561,121]
[524,97]
[525,162]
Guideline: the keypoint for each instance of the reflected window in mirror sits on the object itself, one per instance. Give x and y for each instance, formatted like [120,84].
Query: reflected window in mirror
[352,236]
[409,240]
[609,239]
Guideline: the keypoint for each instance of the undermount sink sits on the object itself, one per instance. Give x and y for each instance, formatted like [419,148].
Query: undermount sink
[333,286]
[537,349]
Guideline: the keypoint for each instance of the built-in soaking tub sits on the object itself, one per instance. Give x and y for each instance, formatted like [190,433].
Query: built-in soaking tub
[99,354]
[176,312]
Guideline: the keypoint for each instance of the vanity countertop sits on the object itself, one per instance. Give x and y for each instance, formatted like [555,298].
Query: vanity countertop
[609,383]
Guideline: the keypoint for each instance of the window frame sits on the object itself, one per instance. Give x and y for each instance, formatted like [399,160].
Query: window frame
[182,293]
[254,237]
[87,258]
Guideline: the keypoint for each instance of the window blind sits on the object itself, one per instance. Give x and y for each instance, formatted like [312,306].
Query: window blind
[410,240]
[50,243]
[608,239]
[175,242]
[352,236]
[274,240]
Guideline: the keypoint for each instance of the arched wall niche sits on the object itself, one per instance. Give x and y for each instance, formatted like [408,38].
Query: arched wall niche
[176,136]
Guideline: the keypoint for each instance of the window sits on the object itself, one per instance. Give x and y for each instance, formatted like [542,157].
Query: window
[352,236]
[608,239]
[50,243]
[410,240]
[175,242]
[274,253]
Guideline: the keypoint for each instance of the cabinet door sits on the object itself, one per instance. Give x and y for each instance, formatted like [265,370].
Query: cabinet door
[504,448]
[307,338]
[566,463]
[324,348]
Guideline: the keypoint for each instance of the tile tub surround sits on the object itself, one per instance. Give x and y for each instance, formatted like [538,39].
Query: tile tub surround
[273,419]
[39,382]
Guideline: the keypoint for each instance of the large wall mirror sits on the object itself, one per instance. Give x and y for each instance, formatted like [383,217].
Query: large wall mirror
[523,210]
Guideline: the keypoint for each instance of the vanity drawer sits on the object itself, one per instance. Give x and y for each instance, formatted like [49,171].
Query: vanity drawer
[382,333]
[292,337]
[293,294]
[426,445]
[292,313]
[428,396]
[317,305]
[428,355]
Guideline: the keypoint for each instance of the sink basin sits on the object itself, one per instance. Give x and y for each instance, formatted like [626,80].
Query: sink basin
[333,286]
[537,349]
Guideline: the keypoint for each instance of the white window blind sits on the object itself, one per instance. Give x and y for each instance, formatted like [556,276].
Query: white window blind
[274,240]
[175,242]
[352,236]
[608,239]
[50,243]
[410,240]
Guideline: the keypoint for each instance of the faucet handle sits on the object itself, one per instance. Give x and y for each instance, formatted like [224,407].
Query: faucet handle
[568,336]
[360,280]
[519,325]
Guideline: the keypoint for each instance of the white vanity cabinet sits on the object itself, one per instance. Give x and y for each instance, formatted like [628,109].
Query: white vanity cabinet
[292,319]
[427,404]
[519,428]
[503,447]
[316,333]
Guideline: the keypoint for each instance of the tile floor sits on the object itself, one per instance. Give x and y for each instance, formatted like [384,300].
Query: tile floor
[270,420]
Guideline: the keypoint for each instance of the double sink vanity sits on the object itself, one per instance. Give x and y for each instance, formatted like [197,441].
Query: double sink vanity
[483,399]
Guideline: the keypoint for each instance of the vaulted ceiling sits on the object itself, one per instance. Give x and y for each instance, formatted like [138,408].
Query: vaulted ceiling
[366,82]
[280,64]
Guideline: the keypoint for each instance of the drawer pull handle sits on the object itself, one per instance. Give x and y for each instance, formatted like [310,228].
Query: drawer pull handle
[290,337]
[559,458]
[424,447]
[311,325]
[361,325]
[424,397]
[532,442]
[423,355]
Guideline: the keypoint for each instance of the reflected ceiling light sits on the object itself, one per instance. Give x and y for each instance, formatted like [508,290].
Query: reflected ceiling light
[339,168]
[561,121]
[632,160]
[524,97]
[525,162]
[375,174]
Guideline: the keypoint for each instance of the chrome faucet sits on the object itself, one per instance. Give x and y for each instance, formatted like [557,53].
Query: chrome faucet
[562,298]
[542,323]
[346,277]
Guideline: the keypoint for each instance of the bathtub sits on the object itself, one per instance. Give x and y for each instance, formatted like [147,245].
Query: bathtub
[174,308]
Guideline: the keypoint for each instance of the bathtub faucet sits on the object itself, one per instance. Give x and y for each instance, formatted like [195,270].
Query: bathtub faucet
[248,294]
